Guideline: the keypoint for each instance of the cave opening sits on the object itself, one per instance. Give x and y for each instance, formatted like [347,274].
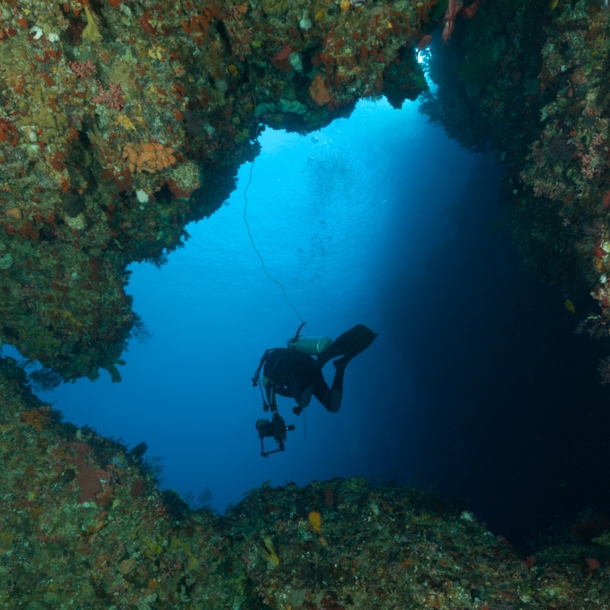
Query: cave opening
[378,219]
[333,214]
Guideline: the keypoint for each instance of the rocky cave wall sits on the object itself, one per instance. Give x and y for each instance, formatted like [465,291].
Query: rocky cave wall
[83,525]
[123,120]
[530,79]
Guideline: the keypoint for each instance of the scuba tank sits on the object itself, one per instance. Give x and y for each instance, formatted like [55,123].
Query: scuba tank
[308,345]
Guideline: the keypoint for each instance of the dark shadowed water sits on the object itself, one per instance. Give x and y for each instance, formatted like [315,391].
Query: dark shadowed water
[476,383]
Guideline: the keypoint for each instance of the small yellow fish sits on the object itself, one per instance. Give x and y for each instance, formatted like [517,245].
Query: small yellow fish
[320,14]
[553,4]
[569,306]
[267,551]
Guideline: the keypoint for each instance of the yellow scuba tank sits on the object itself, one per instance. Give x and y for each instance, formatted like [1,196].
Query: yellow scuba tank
[308,345]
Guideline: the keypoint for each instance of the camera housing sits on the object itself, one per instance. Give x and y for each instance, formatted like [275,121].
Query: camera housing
[275,428]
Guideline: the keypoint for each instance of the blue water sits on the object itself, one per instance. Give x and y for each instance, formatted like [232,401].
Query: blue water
[335,216]
[476,384]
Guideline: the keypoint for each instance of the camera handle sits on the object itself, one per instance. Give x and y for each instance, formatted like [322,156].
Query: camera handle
[268,453]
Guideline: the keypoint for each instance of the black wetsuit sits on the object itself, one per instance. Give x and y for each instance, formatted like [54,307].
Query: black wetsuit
[299,376]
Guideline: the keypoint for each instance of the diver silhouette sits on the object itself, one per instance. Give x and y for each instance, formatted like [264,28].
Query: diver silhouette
[294,372]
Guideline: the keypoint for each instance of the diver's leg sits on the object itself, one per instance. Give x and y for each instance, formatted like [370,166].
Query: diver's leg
[348,345]
[331,397]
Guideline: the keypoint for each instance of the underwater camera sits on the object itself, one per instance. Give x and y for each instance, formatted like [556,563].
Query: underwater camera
[275,428]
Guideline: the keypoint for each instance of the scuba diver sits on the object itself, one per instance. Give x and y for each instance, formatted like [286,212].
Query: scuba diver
[293,372]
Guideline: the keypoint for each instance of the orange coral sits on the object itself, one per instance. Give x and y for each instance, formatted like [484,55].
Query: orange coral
[148,157]
[14,213]
[37,418]
[318,91]
[8,132]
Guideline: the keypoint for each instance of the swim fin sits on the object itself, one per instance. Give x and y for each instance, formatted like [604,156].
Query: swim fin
[349,344]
